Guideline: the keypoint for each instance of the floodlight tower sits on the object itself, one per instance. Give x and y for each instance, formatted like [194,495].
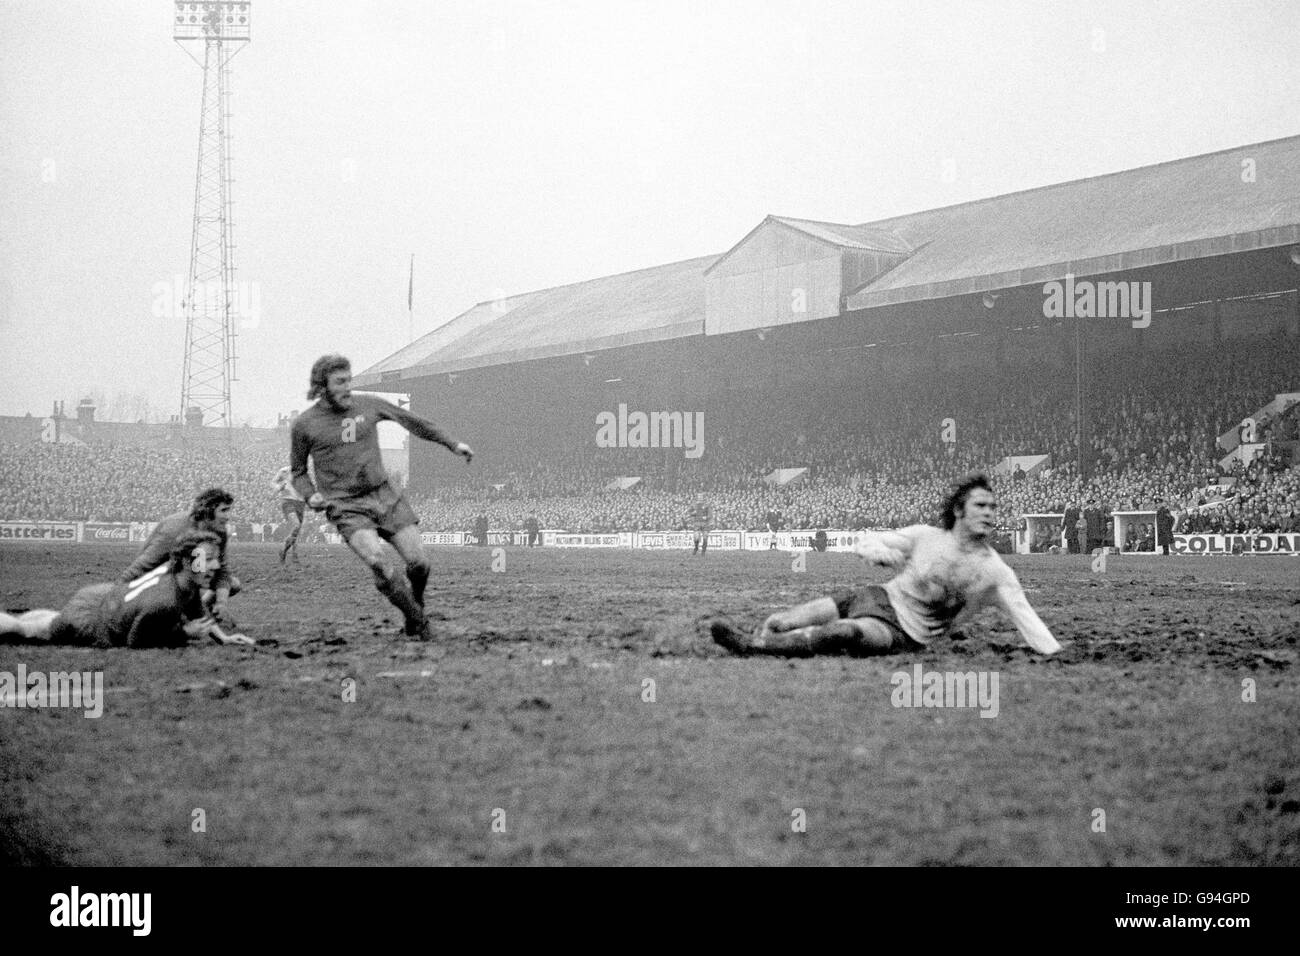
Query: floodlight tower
[222,26]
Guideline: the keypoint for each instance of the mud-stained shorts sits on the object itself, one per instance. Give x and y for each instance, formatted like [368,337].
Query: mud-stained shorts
[84,620]
[873,602]
[384,509]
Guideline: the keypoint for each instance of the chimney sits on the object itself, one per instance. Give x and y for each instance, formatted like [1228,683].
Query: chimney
[86,412]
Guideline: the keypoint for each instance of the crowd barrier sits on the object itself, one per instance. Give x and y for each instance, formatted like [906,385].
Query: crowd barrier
[721,540]
[75,532]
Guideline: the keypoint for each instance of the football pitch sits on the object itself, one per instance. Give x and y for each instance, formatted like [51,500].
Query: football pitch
[573,712]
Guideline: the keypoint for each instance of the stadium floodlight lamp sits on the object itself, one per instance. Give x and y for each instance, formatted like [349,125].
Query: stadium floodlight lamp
[213,20]
[1295,255]
[990,300]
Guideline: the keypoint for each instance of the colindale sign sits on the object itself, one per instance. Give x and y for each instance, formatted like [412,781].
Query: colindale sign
[1236,544]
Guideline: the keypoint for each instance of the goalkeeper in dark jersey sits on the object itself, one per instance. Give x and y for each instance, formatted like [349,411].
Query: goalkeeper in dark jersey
[209,512]
[340,434]
[161,608]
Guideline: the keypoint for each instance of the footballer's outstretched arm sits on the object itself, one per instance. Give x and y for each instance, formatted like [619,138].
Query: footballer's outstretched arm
[1011,598]
[207,627]
[422,428]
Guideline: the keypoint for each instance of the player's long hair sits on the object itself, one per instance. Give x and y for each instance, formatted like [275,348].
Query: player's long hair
[183,553]
[321,370]
[956,501]
[208,501]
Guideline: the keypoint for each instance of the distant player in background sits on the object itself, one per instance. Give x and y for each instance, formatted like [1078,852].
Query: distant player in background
[701,514]
[161,608]
[294,510]
[773,522]
[941,572]
[340,436]
[210,512]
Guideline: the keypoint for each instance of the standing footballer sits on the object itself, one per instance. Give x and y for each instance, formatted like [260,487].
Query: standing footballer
[340,434]
[294,510]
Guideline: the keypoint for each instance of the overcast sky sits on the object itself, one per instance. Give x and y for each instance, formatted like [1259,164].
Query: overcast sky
[516,146]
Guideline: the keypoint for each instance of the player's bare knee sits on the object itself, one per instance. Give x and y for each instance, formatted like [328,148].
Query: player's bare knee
[384,574]
[872,636]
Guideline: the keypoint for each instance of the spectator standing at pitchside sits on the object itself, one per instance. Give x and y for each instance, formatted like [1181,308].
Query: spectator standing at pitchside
[773,522]
[1164,526]
[1070,524]
[1095,523]
[700,516]
[340,435]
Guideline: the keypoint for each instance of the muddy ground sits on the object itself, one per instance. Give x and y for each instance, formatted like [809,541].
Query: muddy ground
[531,732]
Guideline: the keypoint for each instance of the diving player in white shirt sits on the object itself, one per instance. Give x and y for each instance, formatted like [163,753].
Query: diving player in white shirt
[941,573]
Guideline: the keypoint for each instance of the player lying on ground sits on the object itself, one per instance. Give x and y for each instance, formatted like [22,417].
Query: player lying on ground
[941,572]
[163,608]
[293,508]
[340,434]
[210,512]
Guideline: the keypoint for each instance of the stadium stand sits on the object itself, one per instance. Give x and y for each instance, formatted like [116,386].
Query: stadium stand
[874,458]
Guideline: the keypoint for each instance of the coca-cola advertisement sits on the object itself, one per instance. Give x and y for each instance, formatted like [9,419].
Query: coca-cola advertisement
[97,531]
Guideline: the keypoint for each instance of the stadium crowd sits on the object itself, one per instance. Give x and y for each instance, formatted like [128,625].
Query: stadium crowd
[129,482]
[879,460]
[878,456]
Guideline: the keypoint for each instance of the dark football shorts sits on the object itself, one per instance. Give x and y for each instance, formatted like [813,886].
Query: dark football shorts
[873,601]
[383,508]
[293,506]
[84,620]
